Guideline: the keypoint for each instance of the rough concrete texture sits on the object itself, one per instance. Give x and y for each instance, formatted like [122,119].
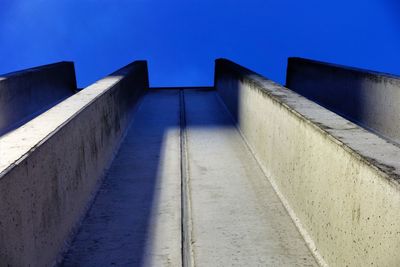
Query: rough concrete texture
[135,219]
[368,98]
[25,94]
[50,166]
[338,181]
[237,218]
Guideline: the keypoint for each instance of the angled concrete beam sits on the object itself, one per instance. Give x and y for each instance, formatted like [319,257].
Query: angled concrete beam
[370,99]
[51,166]
[339,182]
[27,93]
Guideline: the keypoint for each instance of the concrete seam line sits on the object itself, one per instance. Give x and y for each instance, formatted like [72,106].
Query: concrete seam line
[302,230]
[186,215]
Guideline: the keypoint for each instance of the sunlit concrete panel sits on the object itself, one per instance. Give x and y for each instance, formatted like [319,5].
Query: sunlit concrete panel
[370,99]
[50,167]
[339,182]
[27,93]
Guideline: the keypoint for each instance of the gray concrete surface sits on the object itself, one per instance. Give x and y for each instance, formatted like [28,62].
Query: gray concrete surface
[370,99]
[135,219]
[51,166]
[26,94]
[339,182]
[237,218]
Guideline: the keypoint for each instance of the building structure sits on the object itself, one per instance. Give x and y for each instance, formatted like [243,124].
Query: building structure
[246,172]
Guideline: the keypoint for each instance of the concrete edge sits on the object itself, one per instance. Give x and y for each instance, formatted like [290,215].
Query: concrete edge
[25,170]
[27,93]
[6,143]
[338,67]
[386,166]
[33,69]
[41,68]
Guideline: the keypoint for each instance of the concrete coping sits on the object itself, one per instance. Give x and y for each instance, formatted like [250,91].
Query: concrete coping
[18,144]
[378,153]
[374,75]
[34,69]
[27,93]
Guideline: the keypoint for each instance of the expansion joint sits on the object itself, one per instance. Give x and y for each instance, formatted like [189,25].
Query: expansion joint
[186,218]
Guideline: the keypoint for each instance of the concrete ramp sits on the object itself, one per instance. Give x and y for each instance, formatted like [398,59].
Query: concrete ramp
[245,173]
[234,216]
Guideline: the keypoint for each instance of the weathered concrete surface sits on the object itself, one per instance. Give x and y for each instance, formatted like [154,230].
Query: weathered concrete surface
[135,219]
[25,94]
[370,99]
[50,167]
[339,182]
[237,218]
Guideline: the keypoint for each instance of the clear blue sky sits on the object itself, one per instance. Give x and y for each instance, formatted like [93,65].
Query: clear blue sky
[181,39]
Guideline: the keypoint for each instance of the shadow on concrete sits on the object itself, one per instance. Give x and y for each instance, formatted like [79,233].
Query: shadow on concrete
[118,228]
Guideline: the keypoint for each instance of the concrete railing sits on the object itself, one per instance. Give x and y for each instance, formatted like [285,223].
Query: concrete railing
[25,94]
[339,182]
[368,98]
[51,166]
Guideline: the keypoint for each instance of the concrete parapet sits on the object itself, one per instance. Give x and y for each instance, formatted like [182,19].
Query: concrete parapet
[27,93]
[370,99]
[339,182]
[50,167]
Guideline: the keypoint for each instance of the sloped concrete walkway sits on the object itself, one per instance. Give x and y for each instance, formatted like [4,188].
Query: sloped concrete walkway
[234,217]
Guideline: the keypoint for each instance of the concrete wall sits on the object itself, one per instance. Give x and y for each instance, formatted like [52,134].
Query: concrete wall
[25,94]
[368,98]
[51,166]
[339,182]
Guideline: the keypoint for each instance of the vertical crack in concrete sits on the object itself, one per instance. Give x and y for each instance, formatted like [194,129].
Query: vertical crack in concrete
[187,251]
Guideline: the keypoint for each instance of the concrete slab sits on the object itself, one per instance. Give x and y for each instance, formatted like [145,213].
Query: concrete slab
[237,218]
[135,219]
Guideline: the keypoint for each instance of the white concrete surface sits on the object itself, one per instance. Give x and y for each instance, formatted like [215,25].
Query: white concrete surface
[237,218]
[339,182]
[135,219]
